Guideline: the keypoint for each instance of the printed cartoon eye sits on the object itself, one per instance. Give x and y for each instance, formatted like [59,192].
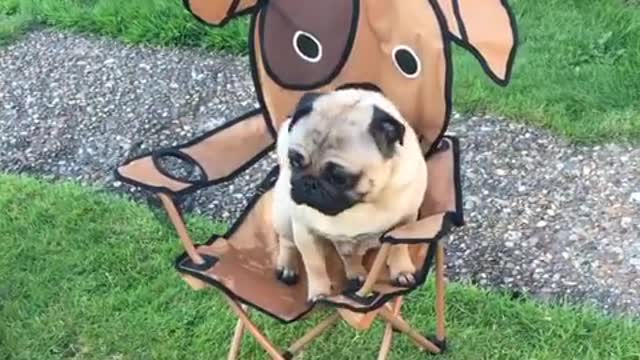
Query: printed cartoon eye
[307,46]
[407,61]
[298,49]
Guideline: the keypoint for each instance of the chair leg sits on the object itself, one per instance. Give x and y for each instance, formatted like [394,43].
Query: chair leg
[234,349]
[313,333]
[406,329]
[257,334]
[387,338]
[374,274]
[441,333]
[181,229]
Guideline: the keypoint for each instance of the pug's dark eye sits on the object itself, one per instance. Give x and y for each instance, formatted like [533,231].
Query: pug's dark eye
[296,160]
[338,176]
[338,179]
[407,61]
[307,46]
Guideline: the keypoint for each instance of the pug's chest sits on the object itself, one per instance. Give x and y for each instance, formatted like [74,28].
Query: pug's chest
[359,243]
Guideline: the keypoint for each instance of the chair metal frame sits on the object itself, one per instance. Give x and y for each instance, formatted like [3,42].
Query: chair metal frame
[390,313]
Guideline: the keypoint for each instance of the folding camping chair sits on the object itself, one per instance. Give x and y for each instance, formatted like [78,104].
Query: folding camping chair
[401,48]
[242,262]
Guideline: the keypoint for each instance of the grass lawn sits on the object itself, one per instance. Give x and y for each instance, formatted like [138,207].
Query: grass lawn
[576,73]
[86,275]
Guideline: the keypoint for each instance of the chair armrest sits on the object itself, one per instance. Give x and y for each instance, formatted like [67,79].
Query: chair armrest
[441,208]
[218,156]
[425,230]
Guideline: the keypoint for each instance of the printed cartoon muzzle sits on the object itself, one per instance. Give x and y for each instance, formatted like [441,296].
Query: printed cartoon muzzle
[401,47]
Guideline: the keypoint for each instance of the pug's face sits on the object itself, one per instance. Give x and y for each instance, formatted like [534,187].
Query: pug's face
[341,148]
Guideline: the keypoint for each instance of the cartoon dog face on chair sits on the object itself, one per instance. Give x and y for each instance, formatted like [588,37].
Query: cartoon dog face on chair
[400,47]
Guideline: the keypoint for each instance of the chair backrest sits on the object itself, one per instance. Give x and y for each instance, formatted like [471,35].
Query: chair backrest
[401,47]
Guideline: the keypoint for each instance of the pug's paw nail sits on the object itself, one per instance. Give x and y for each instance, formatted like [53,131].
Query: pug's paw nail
[287,275]
[317,297]
[405,279]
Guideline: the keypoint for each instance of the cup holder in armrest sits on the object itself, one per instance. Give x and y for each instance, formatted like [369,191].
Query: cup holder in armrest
[179,166]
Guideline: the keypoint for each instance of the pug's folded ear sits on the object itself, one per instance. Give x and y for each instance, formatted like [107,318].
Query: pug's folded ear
[304,106]
[487,29]
[386,131]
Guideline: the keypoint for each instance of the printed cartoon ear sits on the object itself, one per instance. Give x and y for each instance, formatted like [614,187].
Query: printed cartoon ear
[386,131]
[218,12]
[304,107]
[488,30]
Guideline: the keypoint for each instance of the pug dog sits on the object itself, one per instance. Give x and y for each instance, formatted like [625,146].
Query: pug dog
[351,169]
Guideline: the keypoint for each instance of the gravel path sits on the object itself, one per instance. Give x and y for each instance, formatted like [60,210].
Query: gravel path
[544,217]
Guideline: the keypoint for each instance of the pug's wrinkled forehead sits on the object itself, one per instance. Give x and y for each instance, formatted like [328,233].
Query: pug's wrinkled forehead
[337,107]
[355,128]
[401,47]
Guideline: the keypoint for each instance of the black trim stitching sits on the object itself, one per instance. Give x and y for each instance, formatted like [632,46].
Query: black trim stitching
[156,156]
[461,27]
[444,33]
[464,43]
[516,41]
[194,188]
[232,8]
[444,229]
[231,13]
[458,217]
[336,71]
[255,75]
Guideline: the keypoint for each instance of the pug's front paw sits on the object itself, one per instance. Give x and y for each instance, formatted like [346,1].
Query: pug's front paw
[403,274]
[286,264]
[401,268]
[404,279]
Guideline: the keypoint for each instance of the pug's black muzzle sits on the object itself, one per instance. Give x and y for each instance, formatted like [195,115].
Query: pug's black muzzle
[319,195]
